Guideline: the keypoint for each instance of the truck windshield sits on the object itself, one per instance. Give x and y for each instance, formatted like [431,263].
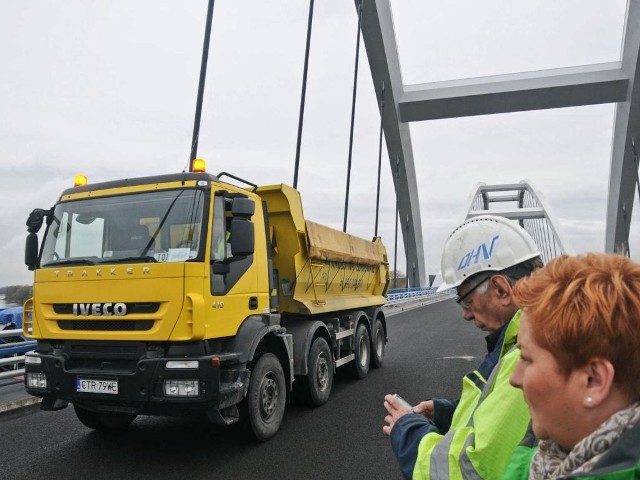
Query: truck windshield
[158,226]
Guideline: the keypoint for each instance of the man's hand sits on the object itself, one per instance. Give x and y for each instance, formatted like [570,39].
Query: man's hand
[425,408]
[396,410]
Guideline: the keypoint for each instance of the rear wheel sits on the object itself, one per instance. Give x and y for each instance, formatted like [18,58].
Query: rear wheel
[104,421]
[266,397]
[362,351]
[379,341]
[320,377]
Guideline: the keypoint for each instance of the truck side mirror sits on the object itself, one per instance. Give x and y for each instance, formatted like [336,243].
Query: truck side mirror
[31,251]
[34,224]
[243,207]
[242,237]
[36,217]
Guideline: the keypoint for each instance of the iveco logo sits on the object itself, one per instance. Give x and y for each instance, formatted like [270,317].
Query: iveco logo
[99,309]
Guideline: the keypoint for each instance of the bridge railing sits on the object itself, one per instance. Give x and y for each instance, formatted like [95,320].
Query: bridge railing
[13,344]
[12,353]
[397,296]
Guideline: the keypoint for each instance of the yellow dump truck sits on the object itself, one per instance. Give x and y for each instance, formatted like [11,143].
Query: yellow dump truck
[182,293]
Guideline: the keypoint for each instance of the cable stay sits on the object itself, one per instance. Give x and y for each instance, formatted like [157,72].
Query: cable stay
[379,158]
[353,110]
[395,243]
[303,94]
[201,84]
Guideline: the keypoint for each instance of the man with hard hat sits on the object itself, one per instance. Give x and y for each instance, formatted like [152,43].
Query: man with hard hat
[473,437]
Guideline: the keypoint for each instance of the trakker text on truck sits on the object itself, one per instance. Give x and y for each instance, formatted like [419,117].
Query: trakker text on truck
[182,293]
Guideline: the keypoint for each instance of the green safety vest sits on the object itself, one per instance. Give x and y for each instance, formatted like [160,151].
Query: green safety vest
[487,425]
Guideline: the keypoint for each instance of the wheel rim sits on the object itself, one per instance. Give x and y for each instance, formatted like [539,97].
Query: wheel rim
[322,372]
[363,351]
[269,395]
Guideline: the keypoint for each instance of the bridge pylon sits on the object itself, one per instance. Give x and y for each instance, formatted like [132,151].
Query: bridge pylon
[521,202]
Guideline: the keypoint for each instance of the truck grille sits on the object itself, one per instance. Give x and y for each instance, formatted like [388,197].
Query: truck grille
[106,325]
[104,357]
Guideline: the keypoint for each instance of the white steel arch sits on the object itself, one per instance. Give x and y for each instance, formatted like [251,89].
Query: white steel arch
[521,202]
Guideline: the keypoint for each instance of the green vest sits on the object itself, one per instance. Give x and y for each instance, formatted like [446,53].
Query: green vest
[620,462]
[487,425]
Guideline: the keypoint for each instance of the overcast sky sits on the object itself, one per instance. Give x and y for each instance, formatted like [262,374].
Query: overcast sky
[108,89]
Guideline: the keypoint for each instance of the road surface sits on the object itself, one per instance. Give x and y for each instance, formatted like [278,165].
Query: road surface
[429,349]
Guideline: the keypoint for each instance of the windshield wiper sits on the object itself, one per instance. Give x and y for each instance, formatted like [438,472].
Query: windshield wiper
[132,259]
[71,261]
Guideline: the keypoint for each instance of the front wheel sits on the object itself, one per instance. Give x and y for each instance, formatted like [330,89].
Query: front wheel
[362,351]
[266,397]
[104,421]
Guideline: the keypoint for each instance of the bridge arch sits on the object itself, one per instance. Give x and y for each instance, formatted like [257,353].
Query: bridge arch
[612,82]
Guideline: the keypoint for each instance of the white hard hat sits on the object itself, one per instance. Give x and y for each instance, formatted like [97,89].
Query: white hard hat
[482,244]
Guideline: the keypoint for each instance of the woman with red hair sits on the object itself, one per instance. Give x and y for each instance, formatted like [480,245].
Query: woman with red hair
[580,368]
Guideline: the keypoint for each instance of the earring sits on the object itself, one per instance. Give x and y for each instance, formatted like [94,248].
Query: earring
[589,400]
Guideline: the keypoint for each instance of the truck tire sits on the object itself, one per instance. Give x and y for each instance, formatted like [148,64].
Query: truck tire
[379,341]
[104,421]
[266,398]
[362,351]
[319,380]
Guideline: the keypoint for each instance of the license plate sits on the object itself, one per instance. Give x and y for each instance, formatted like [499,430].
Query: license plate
[94,385]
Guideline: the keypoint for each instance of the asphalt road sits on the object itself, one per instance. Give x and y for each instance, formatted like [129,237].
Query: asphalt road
[429,350]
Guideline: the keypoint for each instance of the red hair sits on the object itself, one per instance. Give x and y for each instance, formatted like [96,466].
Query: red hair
[587,306]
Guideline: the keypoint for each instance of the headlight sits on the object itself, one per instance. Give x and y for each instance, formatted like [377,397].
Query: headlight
[182,388]
[37,380]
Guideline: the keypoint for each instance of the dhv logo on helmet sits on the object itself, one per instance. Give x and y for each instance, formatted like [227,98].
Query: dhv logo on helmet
[474,255]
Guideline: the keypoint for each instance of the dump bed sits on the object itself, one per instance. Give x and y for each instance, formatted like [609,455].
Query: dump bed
[321,269]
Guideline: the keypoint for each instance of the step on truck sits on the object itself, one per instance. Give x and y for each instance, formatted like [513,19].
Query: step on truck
[185,294]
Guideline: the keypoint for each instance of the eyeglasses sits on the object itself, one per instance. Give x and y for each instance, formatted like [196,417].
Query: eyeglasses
[461,300]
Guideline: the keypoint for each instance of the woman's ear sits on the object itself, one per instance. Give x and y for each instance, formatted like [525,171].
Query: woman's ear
[599,374]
